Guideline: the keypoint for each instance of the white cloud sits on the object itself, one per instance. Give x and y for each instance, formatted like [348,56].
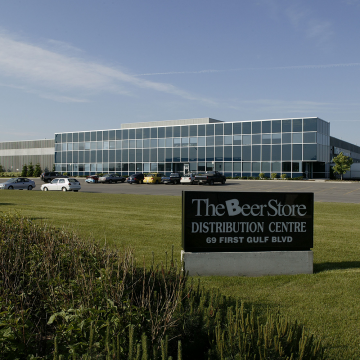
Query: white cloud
[36,68]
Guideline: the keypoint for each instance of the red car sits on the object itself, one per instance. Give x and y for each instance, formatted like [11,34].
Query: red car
[92,179]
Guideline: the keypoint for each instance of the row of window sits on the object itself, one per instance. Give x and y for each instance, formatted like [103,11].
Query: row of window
[223,128]
[227,167]
[306,152]
[286,138]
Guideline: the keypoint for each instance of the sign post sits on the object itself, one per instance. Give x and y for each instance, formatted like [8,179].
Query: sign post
[234,233]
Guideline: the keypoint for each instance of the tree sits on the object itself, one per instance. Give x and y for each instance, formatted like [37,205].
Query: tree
[30,170]
[37,171]
[342,164]
[24,170]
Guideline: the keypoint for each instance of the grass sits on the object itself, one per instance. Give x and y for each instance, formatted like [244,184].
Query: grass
[327,302]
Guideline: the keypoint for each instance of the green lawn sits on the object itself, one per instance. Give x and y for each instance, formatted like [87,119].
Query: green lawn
[327,302]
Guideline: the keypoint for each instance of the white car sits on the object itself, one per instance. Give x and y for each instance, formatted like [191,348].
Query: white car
[62,185]
[188,179]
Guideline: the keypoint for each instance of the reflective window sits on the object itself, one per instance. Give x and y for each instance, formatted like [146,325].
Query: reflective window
[256,127]
[209,129]
[146,133]
[276,138]
[177,142]
[131,144]
[201,141]
[161,143]
[176,154]
[139,133]
[266,138]
[168,132]
[81,137]
[276,167]
[112,134]
[256,149]
[209,154]
[153,143]
[310,124]
[193,130]
[219,129]
[201,130]
[265,167]
[297,138]
[131,134]
[310,137]
[193,141]
[210,141]
[286,126]
[139,144]
[286,138]
[146,143]
[286,152]
[201,153]
[266,127]
[297,125]
[276,126]
[184,131]
[184,141]
[256,166]
[297,152]
[106,135]
[237,128]
[276,153]
[237,153]
[266,150]
[219,153]
[227,129]
[310,152]
[246,166]
[246,139]
[246,127]
[228,140]
[237,139]
[219,140]
[256,139]
[227,153]
[246,153]
[153,133]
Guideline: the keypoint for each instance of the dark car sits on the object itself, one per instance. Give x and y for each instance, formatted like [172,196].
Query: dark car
[51,175]
[136,178]
[111,178]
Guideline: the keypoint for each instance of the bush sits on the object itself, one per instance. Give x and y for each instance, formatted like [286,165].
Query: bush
[30,170]
[24,170]
[274,176]
[62,296]
[283,176]
[261,175]
[37,171]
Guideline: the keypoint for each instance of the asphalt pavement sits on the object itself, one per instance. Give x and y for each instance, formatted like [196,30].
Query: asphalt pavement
[326,191]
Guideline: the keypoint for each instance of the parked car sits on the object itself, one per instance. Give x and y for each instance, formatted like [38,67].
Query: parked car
[62,185]
[135,178]
[92,179]
[18,184]
[174,178]
[188,179]
[111,178]
[51,175]
[165,180]
[210,178]
[153,178]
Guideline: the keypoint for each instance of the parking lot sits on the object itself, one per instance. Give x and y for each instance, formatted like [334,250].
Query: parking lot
[347,192]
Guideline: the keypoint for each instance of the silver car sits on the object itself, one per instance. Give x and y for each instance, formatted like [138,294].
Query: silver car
[19,183]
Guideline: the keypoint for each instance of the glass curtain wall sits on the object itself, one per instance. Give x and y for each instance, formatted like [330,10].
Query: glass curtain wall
[246,148]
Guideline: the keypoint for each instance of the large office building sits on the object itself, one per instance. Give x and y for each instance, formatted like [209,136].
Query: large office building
[295,147]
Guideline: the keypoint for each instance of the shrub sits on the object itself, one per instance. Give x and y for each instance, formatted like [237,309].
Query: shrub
[61,296]
[30,170]
[261,175]
[37,171]
[283,176]
[24,171]
[274,175]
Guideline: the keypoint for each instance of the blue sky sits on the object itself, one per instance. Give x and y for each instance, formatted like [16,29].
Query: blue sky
[86,65]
